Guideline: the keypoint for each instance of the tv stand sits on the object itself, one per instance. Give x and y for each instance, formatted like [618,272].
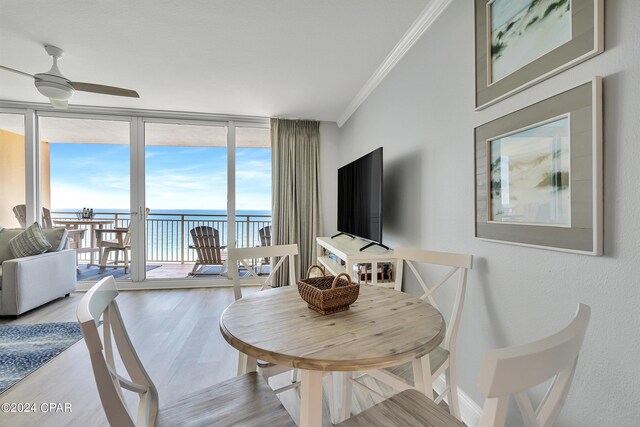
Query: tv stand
[344,234]
[377,265]
[373,244]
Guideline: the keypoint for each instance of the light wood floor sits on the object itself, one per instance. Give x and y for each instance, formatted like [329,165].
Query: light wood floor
[177,337]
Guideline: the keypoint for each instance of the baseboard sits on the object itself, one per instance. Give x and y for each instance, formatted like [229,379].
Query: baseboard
[469,410]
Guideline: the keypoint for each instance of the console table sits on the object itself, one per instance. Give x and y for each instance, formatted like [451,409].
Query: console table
[347,249]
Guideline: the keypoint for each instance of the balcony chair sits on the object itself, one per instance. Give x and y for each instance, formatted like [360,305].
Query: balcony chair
[75,235]
[244,400]
[206,242]
[265,240]
[423,372]
[121,243]
[505,372]
[20,211]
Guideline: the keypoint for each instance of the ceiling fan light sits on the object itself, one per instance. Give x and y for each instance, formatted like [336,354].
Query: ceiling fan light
[54,90]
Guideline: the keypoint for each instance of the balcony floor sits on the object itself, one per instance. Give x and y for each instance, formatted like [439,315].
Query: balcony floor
[155,270]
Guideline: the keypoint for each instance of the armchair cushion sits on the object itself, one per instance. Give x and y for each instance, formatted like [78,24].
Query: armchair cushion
[31,241]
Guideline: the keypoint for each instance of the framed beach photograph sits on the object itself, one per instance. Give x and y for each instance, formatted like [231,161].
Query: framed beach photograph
[538,173]
[521,42]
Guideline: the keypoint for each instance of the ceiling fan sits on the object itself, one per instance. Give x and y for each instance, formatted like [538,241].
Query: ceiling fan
[59,89]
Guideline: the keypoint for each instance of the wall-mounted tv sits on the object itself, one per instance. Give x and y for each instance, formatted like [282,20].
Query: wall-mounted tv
[360,198]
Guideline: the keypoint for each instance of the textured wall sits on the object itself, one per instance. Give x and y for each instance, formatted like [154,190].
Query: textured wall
[423,116]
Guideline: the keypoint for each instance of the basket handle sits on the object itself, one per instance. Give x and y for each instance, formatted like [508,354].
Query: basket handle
[335,281]
[315,266]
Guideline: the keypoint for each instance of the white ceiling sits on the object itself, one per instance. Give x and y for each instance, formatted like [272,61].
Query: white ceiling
[279,58]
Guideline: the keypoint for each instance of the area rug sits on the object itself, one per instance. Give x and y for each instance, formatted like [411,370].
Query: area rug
[94,274]
[25,348]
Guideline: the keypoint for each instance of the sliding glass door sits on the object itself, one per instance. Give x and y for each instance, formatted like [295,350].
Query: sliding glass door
[154,196]
[186,200]
[85,186]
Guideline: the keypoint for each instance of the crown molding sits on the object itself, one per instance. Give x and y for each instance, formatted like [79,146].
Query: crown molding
[426,18]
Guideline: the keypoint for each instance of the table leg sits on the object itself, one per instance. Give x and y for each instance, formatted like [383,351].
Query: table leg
[310,398]
[344,382]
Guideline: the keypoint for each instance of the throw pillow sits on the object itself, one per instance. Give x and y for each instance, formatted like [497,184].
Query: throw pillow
[31,241]
[57,236]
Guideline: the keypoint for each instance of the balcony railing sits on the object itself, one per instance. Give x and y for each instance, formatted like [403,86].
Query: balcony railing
[168,235]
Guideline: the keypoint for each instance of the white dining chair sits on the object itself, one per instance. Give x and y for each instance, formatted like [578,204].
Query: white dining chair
[244,257]
[243,400]
[423,372]
[505,372]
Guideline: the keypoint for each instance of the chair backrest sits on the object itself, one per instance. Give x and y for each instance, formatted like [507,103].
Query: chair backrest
[459,263]
[46,218]
[206,242]
[20,211]
[514,370]
[99,301]
[265,236]
[127,238]
[242,257]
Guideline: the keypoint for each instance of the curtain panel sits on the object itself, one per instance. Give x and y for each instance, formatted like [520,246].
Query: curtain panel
[295,146]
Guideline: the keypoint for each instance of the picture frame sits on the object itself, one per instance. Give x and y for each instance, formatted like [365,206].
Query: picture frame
[519,43]
[538,174]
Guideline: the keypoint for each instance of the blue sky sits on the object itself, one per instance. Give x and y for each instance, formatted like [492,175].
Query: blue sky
[97,176]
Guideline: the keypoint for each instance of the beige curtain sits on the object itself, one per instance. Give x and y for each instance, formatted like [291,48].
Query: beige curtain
[295,146]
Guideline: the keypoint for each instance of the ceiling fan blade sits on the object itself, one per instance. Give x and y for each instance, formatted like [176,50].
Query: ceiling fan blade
[16,71]
[106,90]
[60,105]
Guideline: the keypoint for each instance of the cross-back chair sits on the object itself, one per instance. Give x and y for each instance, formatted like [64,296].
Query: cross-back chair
[244,400]
[505,372]
[206,243]
[243,257]
[422,373]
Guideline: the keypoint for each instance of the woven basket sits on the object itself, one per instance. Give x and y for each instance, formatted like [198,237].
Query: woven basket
[328,294]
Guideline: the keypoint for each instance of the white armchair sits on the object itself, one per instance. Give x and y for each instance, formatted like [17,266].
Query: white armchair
[28,282]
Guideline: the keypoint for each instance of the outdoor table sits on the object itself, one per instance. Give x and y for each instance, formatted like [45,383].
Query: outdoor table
[93,223]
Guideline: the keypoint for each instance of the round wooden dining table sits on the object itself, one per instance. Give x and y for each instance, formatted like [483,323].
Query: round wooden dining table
[382,328]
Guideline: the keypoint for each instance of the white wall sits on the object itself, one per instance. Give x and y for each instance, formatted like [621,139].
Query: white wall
[423,115]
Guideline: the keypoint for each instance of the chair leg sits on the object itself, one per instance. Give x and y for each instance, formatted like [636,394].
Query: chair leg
[194,269]
[422,376]
[452,382]
[115,262]
[103,259]
[126,261]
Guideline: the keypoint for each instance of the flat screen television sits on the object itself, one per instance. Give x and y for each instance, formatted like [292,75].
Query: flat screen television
[360,197]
